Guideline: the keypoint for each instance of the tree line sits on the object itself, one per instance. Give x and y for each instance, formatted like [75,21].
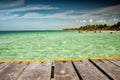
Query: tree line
[97,27]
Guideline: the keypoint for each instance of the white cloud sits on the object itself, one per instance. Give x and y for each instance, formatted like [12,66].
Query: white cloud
[115,19]
[70,14]
[10,3]
[83,21]
[92,14]
[29,8]
[7,17]
[90,20]
[101,21]
[62,15]
[108,10]
[32,15]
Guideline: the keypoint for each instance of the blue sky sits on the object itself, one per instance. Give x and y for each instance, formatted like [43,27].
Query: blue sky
[56,14]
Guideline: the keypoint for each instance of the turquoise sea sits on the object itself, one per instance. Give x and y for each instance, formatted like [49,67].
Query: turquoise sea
[42,45]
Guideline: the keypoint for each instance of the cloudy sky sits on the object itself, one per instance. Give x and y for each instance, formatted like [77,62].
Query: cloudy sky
[56,14]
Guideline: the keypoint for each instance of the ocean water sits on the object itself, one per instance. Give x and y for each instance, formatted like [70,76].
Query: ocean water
[42,45]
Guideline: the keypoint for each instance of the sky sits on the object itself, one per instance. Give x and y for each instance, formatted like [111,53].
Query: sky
[56,14]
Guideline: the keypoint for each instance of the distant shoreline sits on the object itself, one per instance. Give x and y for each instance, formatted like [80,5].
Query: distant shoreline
[13,31]
[28,30]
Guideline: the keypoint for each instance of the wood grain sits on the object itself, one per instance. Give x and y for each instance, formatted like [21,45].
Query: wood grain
[65,71]
[109,68]
[88,71]
[37,71]
[12,71]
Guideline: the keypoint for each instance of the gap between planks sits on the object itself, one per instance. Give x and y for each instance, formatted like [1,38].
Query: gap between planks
[74,68]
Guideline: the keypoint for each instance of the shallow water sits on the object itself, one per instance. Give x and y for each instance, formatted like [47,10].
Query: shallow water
[62,44]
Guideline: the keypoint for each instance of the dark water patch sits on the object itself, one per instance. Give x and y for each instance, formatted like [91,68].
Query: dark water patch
[29,31]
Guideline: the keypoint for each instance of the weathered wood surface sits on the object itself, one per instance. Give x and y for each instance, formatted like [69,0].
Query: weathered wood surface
[116,61]
[65,71]
[109,68]
[12,71]
[88,71]
[3,65]
[37,71]
[62,70]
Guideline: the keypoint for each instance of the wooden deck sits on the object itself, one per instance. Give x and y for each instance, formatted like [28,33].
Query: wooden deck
[62,70]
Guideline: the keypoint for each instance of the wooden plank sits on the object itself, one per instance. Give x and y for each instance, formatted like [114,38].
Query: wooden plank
[65,71]
[109,68]
[12,71]
[37,71]
[88,71]
[116,61]
[3,65]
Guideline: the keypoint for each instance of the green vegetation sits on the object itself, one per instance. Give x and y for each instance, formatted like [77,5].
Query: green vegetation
[97,27]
